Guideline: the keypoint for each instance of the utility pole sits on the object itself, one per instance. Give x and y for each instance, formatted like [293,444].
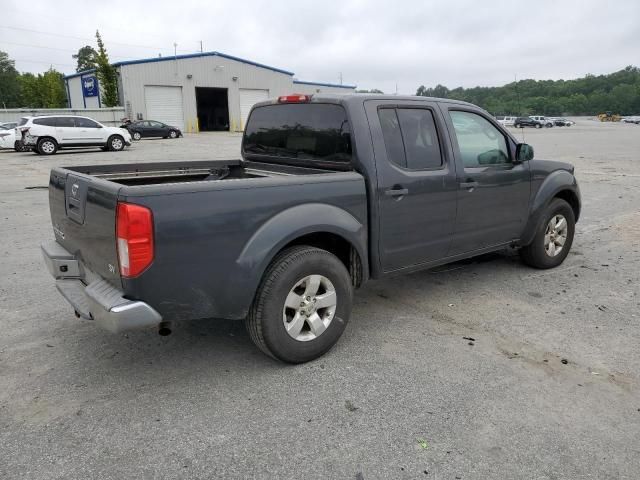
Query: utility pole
[340,78]
[175,49]
[201,50]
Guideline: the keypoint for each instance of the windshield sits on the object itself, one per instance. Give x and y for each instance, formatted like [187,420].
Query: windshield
[299,134]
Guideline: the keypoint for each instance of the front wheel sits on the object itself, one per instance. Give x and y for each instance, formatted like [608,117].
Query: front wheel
[554,237]
[302,306]
[115,143]
[18,146]
[173,134]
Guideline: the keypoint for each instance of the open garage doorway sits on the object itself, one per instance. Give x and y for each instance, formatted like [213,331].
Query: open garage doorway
[213,109]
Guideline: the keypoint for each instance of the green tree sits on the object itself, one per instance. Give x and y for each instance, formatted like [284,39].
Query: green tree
[9,82]
[106,75]
[85,58]
[46,90]
[30,93]
[618,92]
[51,84]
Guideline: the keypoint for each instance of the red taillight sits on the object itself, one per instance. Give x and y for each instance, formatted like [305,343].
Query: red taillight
[134,233]
[295,98]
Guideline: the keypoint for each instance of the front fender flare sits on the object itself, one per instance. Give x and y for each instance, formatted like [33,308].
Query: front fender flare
[555,183]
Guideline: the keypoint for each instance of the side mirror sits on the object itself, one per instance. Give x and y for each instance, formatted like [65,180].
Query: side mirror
[524,152]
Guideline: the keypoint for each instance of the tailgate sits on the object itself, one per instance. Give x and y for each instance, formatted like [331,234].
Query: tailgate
[83,215]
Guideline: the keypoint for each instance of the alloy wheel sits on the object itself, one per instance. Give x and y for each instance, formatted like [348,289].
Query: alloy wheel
[309,308]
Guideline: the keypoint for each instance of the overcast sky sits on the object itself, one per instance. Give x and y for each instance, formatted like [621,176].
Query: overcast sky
[372,44]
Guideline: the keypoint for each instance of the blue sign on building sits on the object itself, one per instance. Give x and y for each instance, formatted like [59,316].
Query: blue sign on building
[90,86]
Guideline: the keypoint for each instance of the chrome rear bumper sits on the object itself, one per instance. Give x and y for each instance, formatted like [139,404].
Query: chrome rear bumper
[92,297]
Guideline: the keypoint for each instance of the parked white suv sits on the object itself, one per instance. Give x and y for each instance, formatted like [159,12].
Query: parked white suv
[506,121]
[543,120]
[46,134]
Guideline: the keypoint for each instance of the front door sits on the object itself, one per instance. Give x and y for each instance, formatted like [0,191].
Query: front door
[493,190]
[157,129]
[416,187]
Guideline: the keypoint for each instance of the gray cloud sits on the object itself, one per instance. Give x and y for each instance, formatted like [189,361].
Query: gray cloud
[374,44]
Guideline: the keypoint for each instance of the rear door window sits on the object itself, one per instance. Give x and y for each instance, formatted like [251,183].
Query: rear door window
[65,122]
[410,138]
[299,133]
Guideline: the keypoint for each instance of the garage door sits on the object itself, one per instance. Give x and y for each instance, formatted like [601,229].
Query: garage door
[165,105]
[248,98]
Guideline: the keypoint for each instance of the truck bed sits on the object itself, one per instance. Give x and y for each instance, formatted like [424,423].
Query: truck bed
[213,223]
[182,172]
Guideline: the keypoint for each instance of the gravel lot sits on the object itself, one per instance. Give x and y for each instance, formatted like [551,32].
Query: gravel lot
[405,394]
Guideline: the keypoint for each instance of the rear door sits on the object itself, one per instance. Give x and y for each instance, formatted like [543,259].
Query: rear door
[417,189]
[66,130]
[493,190]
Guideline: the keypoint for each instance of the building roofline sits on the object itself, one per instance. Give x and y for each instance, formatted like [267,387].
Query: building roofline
[79,74]
[198,55]
[320,84]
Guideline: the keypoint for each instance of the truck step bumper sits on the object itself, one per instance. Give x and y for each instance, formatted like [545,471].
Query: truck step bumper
[99,300]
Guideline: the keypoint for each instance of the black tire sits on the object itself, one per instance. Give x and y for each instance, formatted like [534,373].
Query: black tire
[136,136]
[265,322]
[47,146]
[115,143]
[173,134]
[538,125]
[18,146]
[535,254]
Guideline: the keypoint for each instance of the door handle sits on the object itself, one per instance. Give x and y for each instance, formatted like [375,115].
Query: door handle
[396,192]
[469,185]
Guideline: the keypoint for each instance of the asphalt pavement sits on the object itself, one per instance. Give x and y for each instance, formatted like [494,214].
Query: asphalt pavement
[483,369]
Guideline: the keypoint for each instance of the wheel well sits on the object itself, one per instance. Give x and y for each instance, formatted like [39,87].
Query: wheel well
[572,199]
[337,245]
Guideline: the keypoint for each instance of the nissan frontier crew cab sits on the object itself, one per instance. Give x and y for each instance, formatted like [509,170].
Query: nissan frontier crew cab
[330,192]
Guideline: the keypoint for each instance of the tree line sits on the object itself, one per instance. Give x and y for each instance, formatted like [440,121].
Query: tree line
[618,92]
[47,89]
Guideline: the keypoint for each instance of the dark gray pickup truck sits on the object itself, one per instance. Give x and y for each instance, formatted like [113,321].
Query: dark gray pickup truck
[330,192]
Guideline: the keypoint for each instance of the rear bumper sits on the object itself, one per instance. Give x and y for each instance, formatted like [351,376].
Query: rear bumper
[92,297]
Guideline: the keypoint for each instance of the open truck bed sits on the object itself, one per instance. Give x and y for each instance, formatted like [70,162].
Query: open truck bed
[198,171]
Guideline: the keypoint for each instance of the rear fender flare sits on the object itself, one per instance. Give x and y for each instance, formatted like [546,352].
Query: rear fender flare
[298,221]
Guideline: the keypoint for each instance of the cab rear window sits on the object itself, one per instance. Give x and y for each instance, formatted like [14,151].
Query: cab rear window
[302,134]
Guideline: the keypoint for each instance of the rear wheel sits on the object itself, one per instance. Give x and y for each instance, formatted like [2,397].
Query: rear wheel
[554,237]
[47,146]
[136,136]
[302,306]
[115,143]
[538,125]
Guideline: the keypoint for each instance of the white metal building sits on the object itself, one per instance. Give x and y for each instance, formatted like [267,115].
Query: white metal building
[205,91]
